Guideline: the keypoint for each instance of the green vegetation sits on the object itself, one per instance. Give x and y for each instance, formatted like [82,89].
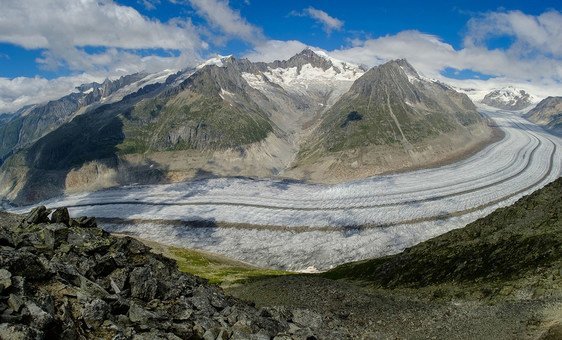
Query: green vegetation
[191,120]
[217,269]
[514,248]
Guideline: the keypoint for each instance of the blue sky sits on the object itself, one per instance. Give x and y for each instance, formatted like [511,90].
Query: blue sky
[74,41]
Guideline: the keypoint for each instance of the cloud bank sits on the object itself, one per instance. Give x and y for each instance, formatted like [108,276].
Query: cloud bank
[94,39]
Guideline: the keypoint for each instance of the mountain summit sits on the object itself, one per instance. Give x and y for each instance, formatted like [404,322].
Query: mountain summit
[309,117]
[508,98]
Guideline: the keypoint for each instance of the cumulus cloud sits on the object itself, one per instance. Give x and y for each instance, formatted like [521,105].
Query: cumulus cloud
[63,29]
[46,24]
[18,92]
[275,50]
[535,34]
[219,14]
[328,22]
[430,55]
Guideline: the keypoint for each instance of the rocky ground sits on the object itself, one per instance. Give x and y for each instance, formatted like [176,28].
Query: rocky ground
[65,278]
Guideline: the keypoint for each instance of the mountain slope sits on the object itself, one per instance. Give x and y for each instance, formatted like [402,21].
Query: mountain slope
[392,118]
[548,113]
[33,122]
[522,241]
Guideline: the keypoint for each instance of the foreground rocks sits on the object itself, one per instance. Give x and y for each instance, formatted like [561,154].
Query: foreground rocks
[64,278]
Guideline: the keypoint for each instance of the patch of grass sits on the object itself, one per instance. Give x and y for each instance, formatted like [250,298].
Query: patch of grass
[219,270]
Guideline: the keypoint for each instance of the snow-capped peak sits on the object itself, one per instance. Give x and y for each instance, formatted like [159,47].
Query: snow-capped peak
[218,61]
[342,65]
[509,98]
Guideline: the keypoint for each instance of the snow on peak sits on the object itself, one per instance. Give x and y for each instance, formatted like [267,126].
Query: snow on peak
[218,61]
[339,64]
[509,98]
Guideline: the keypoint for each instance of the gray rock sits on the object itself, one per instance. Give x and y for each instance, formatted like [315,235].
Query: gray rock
[60,215]
[15,332]
[307,318]
[95,312]
[38,215]
[118,279]
[5,279]
[54,235]
[138,314]
[84,222]
[143,285]
[40,318]
[92,289]
[15,302]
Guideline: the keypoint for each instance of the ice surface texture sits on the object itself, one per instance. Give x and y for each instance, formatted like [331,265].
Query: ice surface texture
[295,225]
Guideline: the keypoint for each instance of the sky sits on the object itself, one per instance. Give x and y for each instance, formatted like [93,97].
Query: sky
[47,47]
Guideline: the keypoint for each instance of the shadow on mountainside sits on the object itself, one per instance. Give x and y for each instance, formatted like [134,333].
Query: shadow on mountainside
[93,136]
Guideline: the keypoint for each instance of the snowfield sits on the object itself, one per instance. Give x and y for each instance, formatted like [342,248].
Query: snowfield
[292,225]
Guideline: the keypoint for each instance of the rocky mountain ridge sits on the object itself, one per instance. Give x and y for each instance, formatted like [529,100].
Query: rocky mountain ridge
[234,117]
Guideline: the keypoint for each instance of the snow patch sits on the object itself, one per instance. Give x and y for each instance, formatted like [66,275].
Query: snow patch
[218,61]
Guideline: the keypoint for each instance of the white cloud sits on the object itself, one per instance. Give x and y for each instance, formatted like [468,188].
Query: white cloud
[63,29]
[18,92]
[328,22]
[275,50]
[149,4]
[50,23]
[430,55]
[219,14]
[538,34]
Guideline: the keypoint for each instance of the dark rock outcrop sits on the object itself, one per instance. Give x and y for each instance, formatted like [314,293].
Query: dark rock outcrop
[64,278]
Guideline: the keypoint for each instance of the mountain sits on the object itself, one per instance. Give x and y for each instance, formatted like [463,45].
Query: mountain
[33,122]
[391,118]
[232,117]
[508,98]
[548,113]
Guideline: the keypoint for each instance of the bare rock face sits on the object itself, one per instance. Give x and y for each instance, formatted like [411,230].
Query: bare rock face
[64,278]
[548,113]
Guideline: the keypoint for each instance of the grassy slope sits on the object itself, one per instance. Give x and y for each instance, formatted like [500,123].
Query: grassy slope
[196,117]
[516,247]
[217,269]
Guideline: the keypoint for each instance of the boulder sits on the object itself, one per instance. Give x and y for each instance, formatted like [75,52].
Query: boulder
[5,278]
[38,215]
[143,284]
[54,235]
[95,312]
[61,215]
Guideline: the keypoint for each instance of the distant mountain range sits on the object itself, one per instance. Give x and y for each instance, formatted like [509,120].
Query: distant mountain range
[310,117]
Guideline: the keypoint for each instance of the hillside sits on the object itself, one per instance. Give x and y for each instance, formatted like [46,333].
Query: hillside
[520,241]
[391,118]
[548,113]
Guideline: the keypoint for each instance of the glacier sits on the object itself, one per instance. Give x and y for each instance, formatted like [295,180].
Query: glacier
[301,226]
